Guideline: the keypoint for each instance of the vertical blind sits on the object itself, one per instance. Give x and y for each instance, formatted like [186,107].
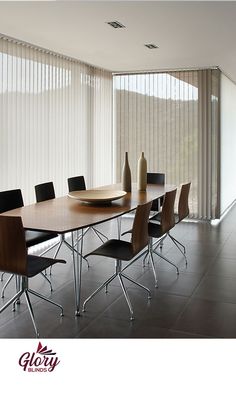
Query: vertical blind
[55,120]
[172,117]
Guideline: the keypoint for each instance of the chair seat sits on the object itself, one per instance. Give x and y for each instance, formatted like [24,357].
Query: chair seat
[37,264]
[36,237]
[157,217]
[115,249]
[155,230]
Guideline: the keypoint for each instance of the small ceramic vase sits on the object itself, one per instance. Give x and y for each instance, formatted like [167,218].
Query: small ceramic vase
[126,175]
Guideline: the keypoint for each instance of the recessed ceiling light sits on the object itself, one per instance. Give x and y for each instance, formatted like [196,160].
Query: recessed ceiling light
[151,46]
[115,24]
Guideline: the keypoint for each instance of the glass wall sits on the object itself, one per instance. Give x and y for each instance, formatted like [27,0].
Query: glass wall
[53,114]
[161,114]
[228,143]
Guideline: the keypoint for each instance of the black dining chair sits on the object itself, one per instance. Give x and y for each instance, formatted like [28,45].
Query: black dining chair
[183,212]
[77,183]
[13,199]
[121,250]
[157,179]
[44,192]
[15,260]
[159,230]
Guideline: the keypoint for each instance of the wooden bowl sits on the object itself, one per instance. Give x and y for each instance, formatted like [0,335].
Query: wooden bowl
[97,195]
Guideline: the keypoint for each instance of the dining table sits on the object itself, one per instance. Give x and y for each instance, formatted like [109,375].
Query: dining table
[66,215]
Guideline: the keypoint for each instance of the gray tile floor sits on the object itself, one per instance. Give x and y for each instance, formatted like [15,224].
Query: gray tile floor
[199,303]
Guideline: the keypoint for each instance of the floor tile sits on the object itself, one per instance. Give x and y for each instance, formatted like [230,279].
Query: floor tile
[217,288]
[208,318]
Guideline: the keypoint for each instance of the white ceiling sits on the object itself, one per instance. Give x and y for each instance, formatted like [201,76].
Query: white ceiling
[189,34]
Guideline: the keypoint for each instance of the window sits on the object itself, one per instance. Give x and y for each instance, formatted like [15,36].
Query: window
[161,114]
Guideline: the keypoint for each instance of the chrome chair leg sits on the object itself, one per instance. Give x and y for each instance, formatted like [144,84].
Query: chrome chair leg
[48,280]
[156,244]
[167,260]
[85,231]
[17,285]
[159,243]
[118,220]
[119,273]
[178,244]
[12,300]
[181,244]
[2,275]
[126,297]
[58,248]
[55,255]
[46,299]
[145,257]
[134,260]
[99,234]
[153,268]
[98,289]
[139,285]
[70,247]
[31,312]
[49,248]
[73,249]
[150,257]
[6,284]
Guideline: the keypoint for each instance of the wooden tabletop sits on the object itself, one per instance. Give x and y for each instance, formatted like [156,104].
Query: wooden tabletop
[61,215]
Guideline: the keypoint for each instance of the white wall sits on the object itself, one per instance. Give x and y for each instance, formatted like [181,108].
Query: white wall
[228,142]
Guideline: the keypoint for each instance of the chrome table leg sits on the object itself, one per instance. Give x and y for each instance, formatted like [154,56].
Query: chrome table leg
[79,253]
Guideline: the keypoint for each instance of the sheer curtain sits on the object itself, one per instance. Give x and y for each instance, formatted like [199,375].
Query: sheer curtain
[55,120]
[173,117]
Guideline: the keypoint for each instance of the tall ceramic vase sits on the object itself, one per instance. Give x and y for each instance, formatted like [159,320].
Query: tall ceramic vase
[126,175]
[142,173]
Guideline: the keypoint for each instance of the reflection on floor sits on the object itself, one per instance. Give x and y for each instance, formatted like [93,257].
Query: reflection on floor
[200,303]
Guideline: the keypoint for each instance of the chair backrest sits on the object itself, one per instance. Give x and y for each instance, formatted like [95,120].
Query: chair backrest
[13,252]
[157,178]
[44,191]
[167,213]
[183,208]
[10,200]
[76,183]
[140,237]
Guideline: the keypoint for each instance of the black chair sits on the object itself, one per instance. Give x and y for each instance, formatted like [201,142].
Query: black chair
[167,222]
[128,251]
[158,230]
[10,200]
[44,192]
[157,179]
[14,260]
[77,183]
[183,212]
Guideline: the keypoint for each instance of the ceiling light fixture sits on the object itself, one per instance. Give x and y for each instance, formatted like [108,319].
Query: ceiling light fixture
[116,25]
[151,46]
